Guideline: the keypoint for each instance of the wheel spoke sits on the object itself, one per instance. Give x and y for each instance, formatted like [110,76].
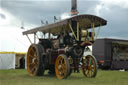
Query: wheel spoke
[87,72]
[36,62]
[32,51]
[31,65]
[30,55]
[33,70]
[90,74]
[61,61]
[63,66]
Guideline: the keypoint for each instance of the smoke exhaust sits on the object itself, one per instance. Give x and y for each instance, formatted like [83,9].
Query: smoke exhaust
[74,10]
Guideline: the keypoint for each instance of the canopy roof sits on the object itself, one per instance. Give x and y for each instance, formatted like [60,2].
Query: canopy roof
[85,21]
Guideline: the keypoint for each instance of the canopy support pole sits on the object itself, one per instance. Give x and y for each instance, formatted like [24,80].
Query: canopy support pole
[93,31]
[72,31]
[98,31]
[49,35]
[78,31]
[29,39]
[34,38]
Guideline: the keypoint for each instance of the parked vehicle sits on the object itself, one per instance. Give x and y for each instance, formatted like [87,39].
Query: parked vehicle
[111,53]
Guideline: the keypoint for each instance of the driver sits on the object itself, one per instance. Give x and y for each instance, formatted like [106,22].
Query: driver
[67,39]
[61,39]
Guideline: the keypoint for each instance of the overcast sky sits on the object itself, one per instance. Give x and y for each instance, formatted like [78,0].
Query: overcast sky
[13,12]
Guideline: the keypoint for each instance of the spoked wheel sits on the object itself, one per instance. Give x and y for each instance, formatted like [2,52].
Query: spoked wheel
[62,67]
[89,66]
[34,60]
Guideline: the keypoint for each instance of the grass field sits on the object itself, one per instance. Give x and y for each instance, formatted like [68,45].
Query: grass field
[21,77]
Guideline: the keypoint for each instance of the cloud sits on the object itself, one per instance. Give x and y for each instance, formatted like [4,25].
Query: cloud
[108,5]
[11,38]
[2,16]
[116,13]
[120,3]
[34,11]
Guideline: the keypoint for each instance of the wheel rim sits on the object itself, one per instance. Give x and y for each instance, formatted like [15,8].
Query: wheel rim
[32,60]
[61,67]
[89,66]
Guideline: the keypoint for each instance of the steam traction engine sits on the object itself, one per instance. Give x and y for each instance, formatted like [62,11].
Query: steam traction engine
[62,51]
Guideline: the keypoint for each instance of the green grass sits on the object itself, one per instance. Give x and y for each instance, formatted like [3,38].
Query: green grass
[21,77]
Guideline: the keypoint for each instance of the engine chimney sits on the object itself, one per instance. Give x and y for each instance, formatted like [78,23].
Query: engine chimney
[74,7]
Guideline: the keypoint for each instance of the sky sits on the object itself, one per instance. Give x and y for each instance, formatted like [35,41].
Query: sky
[31,12]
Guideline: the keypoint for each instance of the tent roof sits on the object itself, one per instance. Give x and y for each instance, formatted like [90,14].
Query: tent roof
[13,53]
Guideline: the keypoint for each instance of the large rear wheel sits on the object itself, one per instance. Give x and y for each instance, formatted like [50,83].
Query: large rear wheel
[62,67]
[89,66]
[35,64]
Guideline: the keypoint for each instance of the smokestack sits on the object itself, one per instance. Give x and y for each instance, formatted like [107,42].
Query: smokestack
[74,7]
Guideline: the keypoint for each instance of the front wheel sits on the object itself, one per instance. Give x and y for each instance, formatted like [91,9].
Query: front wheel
[35,66]
[89,66]
[62,67]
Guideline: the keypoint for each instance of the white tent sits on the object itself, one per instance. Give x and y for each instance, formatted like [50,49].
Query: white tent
[8,60]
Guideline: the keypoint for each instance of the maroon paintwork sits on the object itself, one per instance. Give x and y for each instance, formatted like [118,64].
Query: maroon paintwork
[55,54]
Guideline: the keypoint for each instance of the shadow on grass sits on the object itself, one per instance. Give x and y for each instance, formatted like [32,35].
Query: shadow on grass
[53,77]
